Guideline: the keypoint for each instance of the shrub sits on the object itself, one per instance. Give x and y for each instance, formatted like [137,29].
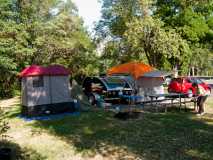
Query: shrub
[4,126]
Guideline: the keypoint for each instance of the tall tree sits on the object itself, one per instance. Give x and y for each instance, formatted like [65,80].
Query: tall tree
[164,49]
[138,34]
[192,20]
[41,32]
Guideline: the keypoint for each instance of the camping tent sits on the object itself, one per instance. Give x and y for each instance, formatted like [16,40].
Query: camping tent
[152,82]
[147,79]
[135,69]
[45,90]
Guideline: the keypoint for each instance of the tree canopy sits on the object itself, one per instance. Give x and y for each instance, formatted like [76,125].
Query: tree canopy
[43,33]
[167,34]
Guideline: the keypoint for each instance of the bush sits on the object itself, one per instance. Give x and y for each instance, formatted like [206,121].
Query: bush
[9,87]
[4,126]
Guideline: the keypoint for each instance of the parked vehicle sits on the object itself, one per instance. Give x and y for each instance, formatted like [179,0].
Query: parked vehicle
[108,88]
[184,85]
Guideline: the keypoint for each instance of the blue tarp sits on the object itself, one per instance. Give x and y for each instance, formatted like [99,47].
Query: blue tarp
[49,117]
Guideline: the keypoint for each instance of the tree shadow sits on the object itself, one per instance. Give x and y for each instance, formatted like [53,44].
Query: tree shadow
[153,136]
[18,153]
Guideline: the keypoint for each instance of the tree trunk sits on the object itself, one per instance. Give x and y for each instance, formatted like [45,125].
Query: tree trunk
[193,71]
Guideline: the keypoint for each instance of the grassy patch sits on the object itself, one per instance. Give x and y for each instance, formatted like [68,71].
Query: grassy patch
[154,136]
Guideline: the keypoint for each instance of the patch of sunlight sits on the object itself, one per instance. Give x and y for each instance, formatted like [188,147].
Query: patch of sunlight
[207,118]
[202,131]
[88,131]
[196,154]
[10,102]
[116,152]
[208,121]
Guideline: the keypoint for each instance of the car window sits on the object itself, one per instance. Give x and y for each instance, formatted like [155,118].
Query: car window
[93,83]
[96,83]
[87,84]
[196,80]
[113,82]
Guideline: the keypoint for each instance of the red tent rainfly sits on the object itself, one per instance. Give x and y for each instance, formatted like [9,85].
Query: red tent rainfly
[45,90]
[35,70]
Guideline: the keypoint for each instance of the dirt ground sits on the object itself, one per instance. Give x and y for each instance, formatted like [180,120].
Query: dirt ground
[8,103]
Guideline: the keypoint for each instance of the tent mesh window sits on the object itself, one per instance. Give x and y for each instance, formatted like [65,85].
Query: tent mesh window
[38,82]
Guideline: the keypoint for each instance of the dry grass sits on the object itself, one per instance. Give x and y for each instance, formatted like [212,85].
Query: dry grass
[9,103]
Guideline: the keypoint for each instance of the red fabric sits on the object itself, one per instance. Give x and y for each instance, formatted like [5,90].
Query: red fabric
[35,70]
[57,70]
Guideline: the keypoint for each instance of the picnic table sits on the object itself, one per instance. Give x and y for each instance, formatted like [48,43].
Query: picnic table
[156,100]
[169,98]
[132,99]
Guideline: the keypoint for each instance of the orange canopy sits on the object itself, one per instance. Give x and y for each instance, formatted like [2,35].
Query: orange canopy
[135,69]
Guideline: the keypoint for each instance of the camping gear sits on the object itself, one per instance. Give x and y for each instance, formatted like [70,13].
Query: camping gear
[147,80]
[77,93]
[49,117]
[46,90]
[134,69]
[152,83]
[108,88]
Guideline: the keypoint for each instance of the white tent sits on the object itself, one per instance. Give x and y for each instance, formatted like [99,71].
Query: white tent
[152,83]
[45,90]
[146,80]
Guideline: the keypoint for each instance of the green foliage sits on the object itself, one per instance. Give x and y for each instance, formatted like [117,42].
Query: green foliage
[41,32]
[164,49]
[193,26]
[167,34]
[4,126]
[192,20]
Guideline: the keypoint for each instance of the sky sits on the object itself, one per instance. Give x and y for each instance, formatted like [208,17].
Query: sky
[90,11]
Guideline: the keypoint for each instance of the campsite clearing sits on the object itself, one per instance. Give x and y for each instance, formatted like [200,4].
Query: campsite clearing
[97,135]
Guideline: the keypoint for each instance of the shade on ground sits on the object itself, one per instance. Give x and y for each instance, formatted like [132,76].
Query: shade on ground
[136,69]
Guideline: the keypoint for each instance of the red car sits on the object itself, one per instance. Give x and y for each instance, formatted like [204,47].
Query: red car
[184,85]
